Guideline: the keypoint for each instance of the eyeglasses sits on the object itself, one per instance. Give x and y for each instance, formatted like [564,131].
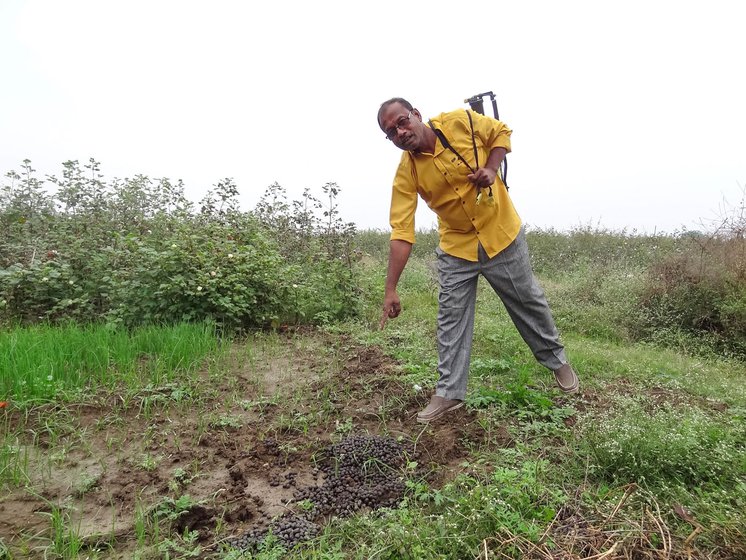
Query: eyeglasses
[394,130]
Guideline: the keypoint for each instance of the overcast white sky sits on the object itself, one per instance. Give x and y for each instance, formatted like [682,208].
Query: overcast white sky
[625,115]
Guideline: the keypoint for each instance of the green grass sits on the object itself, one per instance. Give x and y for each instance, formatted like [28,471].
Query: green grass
[14,461]
[46,362]
[652,444]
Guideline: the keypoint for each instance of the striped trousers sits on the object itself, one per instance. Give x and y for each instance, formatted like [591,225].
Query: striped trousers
[510,275]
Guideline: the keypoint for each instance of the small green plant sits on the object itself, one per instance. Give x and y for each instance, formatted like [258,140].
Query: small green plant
[140,525]
[169,510]
[14,462]
[287,448]
[526,403]
[86,483]
[226,421]
[297,422]
[149,462]
[487,367]
[343,428]
[261,404]
[180,478]
[306,505]
[66,540]
[181,546]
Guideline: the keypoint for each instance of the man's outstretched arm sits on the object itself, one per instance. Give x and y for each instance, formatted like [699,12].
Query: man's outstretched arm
[399,251]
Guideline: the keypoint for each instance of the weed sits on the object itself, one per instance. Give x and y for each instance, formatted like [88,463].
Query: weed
[287,449]
[170,510]
[488,367]
[149,462]
[86,483]
[181,546]
[297,422]
[180,479]
[343,428]
[140,525]
[526,403]
[667,446]
[14,462]
[226,421]
[262,404]
[66,541]
[306,505]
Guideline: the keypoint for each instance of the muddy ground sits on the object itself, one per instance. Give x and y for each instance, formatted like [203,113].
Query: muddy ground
[243,445]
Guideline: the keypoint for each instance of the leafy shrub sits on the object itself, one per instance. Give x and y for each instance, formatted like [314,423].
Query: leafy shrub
[319,248]
[700,289]
[205,273]
[135,251]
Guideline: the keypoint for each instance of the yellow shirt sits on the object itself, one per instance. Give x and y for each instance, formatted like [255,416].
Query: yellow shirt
[440,179]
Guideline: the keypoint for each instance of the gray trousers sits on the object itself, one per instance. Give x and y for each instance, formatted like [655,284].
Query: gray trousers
[510,275]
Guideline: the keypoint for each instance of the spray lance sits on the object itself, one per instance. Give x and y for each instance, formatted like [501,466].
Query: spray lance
[476,102]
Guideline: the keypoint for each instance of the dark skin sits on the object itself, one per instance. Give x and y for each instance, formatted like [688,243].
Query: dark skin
[415,135]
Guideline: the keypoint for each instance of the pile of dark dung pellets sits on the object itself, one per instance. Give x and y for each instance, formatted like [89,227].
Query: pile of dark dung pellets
[360,472]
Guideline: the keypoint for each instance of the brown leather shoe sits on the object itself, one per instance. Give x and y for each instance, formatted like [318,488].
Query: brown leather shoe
[438,407]
[566,379]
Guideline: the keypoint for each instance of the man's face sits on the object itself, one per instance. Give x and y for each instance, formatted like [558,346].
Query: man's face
[402,126]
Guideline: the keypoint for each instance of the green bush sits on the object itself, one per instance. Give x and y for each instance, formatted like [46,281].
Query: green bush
[134,252]
[202,274]
[699,290]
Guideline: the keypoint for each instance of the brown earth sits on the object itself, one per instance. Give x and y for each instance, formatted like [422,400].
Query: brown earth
[240,444]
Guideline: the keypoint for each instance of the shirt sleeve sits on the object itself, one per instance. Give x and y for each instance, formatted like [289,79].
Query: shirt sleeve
[403,201]
[494,133]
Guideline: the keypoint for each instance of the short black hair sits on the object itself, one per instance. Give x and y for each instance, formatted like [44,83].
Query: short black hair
[407,105]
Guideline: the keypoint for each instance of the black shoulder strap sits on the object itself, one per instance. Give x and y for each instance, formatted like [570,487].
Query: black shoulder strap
[447,144]
[473,140]
[503,171]
[443,140]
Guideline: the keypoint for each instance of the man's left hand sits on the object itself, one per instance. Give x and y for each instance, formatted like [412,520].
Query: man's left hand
[484,177]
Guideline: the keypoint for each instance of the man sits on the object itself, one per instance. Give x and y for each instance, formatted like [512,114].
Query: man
[452,163]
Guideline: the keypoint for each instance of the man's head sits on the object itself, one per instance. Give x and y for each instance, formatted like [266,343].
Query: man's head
[403,124]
